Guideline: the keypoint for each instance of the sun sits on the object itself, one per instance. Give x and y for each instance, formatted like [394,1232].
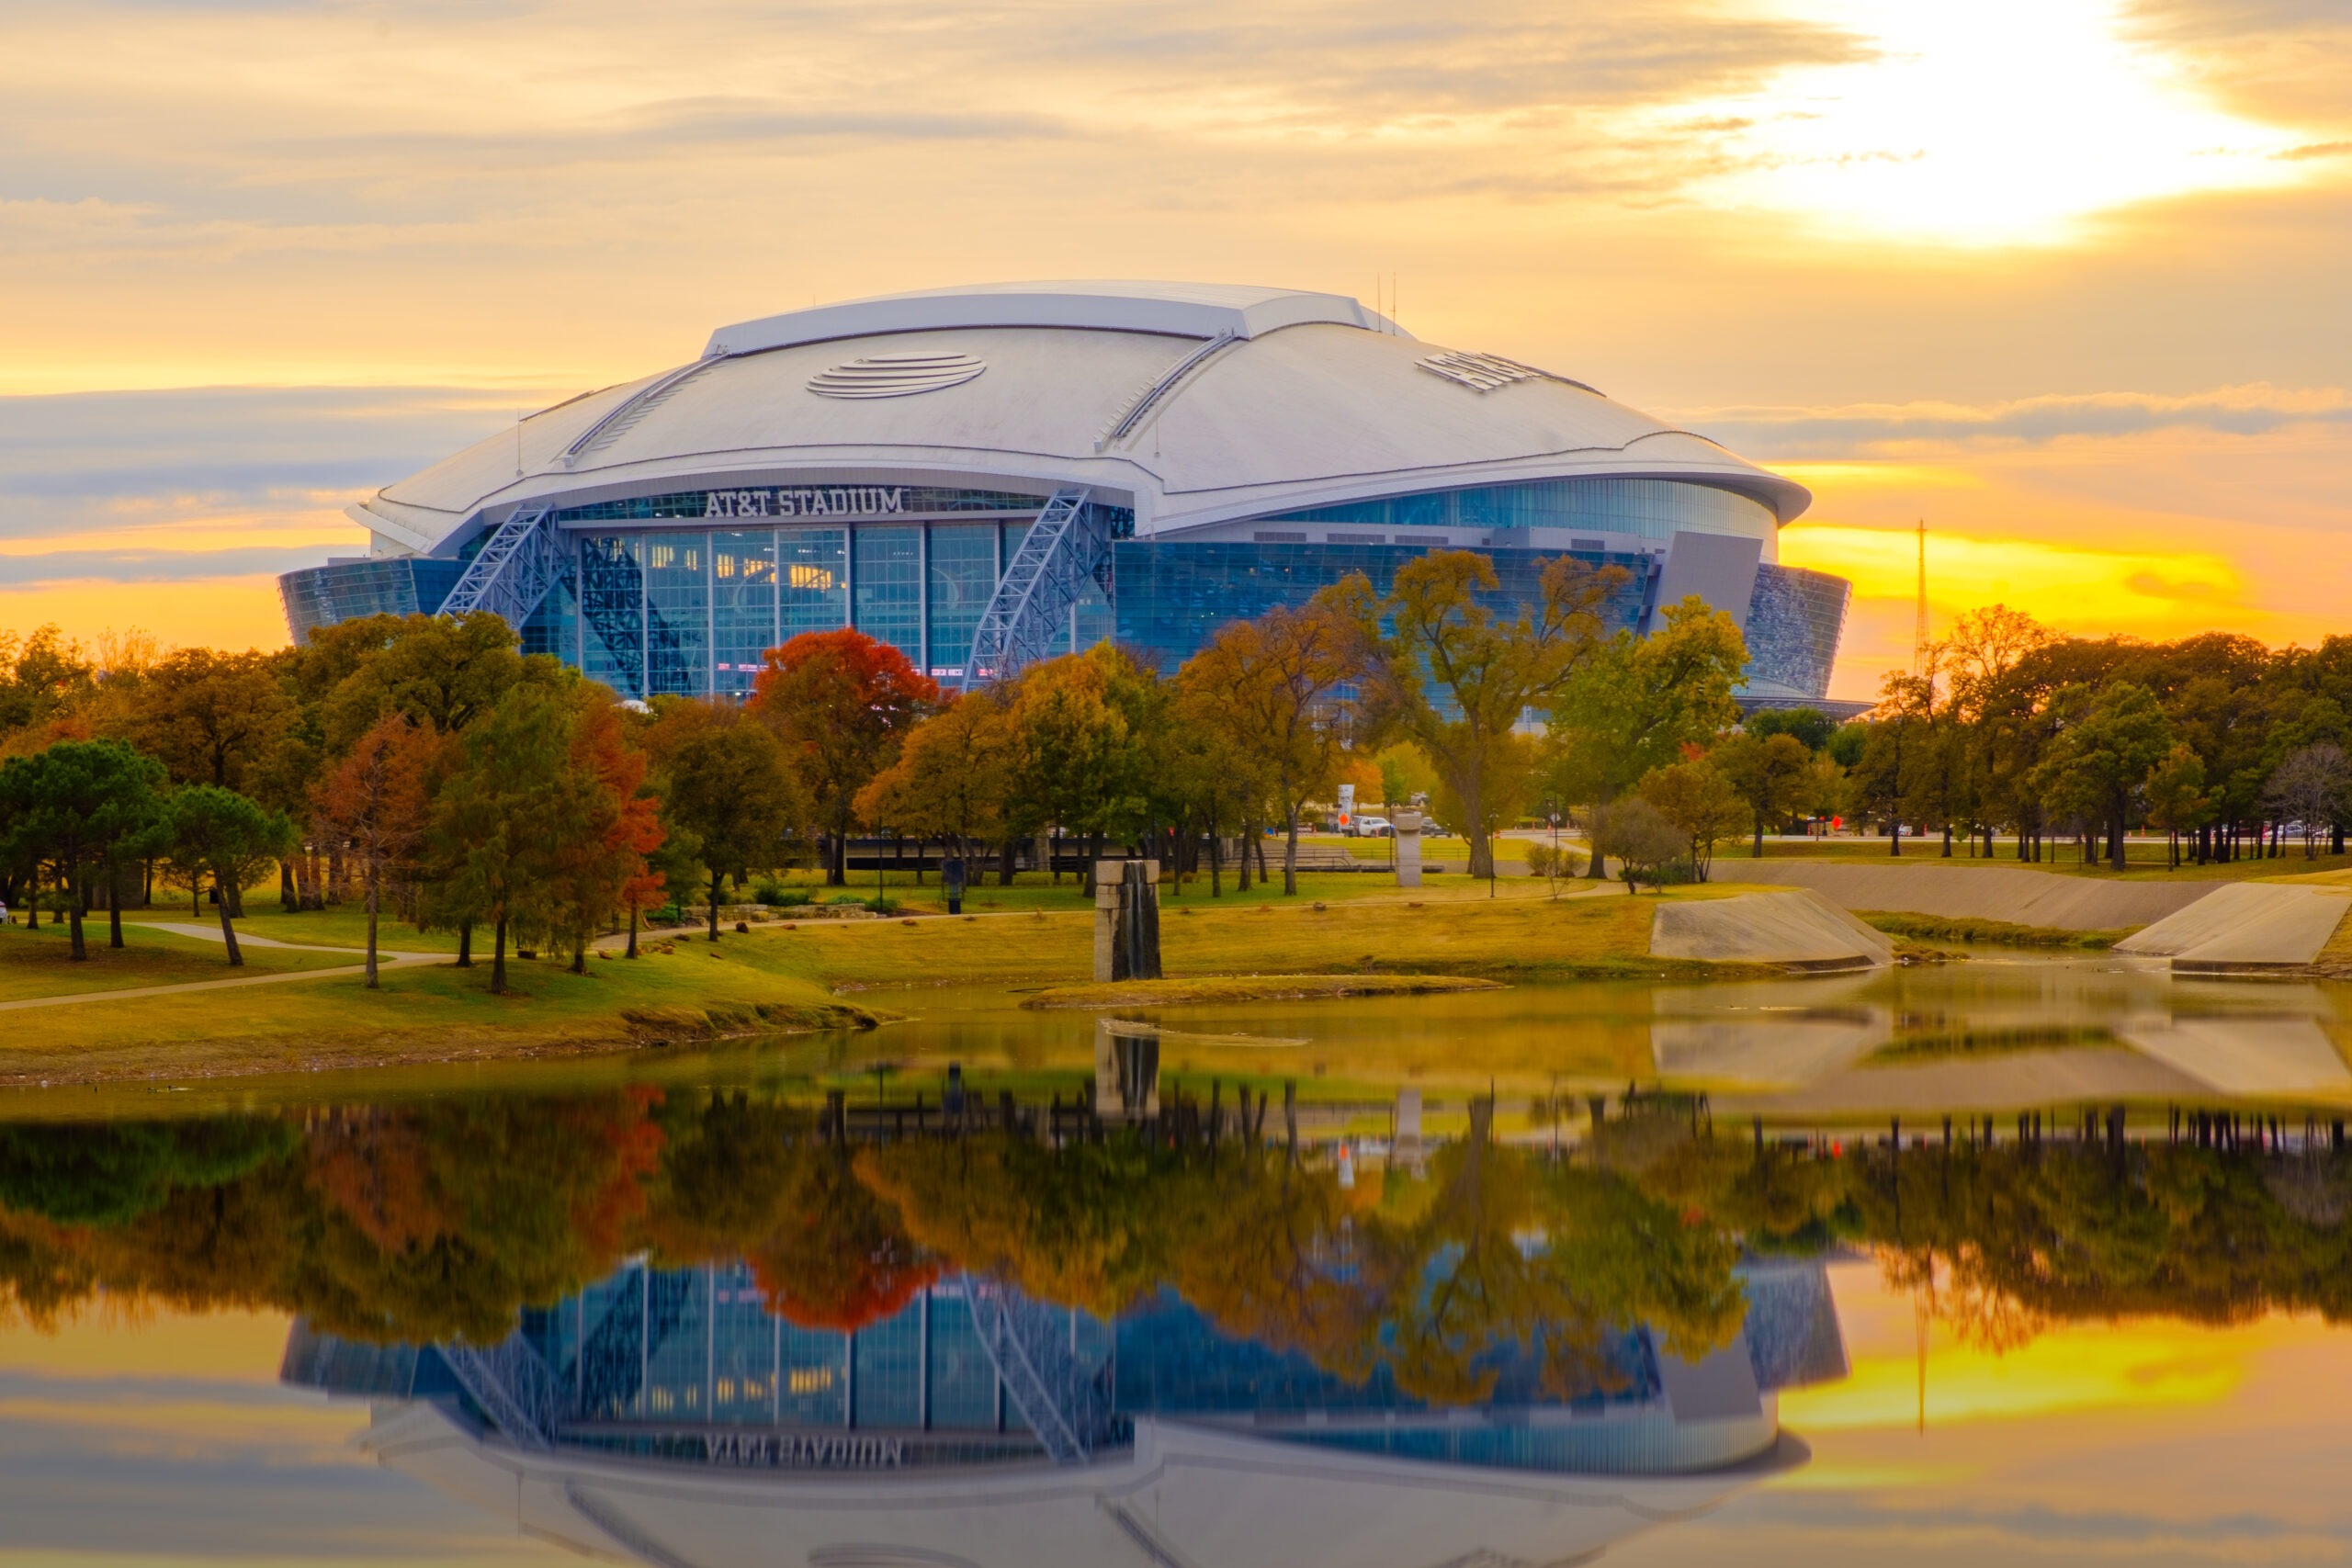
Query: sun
[1997,122]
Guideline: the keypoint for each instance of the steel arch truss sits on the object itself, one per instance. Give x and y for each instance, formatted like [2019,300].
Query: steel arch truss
[1066,549]
[518,565]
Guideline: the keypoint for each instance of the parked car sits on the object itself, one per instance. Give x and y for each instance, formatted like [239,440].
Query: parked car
[1371,828]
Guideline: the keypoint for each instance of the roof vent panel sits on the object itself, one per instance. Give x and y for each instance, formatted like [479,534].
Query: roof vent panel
[896,375]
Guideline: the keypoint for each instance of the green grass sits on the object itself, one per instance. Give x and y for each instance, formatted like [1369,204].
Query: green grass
[1248,989]
[1519,934]
[2001,934]
[39,962]
[431,1013]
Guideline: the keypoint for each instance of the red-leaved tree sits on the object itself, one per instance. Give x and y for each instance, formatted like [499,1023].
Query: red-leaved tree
[841,704]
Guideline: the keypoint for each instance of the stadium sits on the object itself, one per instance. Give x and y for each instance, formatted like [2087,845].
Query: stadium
[987,476]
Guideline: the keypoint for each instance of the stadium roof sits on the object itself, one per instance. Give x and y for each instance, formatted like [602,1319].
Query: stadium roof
[1196,403]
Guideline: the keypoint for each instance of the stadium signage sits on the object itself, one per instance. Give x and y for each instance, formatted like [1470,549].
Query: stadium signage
[833,501]
[796,1451]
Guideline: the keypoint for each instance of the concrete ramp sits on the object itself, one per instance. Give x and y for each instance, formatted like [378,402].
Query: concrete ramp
[2245,926]
[1936,887]
[1799,929]
[2247,1056]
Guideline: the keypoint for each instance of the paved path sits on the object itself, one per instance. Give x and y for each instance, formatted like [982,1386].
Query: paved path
[1984,893]
[385,960]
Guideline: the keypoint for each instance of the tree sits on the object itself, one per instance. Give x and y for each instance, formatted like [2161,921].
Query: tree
[230,836]
[1458,677]
[1633,832]
[1810,727]
[439,671]
[841,704]
[2178,801]
[499,820]
[1701,804]
[1772,773]
[724,780]
[1272,686]
[79,803]
[1554,863]
[951,779]
[1639,701]
[375,802]
[615,824]
[2109,741]
[2312,789]
[1079,751]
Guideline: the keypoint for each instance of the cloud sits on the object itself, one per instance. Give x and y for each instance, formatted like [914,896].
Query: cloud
[1855,429]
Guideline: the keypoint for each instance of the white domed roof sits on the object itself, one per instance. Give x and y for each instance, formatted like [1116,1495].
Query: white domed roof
[1197,404]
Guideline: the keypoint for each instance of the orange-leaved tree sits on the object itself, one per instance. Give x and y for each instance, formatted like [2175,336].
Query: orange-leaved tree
[600,866]
[374,804]
[951,777]
[842,705]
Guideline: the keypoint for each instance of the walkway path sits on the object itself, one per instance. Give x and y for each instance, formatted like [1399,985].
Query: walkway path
[385,960]
[1982,893]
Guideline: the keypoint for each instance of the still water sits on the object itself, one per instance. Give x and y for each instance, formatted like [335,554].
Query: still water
[2017,1259]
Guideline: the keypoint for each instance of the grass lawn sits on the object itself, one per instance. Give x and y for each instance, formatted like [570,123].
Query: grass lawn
[2001,934]
[39,962]
[428,1013]
[1522,933]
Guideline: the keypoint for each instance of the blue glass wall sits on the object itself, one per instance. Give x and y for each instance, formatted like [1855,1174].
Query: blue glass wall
[743,606]
[885,588]
[1172,596]
[682,610]
[958,579]
[1654,509]
[349,591]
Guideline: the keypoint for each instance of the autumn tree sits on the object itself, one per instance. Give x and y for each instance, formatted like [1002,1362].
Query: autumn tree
[1458,676]
[1271,687]
[374,802]
[1701,804]
[1082,733]
[1636,701]
[842,704]
[84,805]
[230,835]
[724,779]
[1634,833]
[951,780]
[614,825]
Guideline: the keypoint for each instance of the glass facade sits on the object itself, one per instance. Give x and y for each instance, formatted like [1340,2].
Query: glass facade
[886,587]
[1794,621]
[742,607]
[684,610]
[350,590]
[1174,596]
[958,577]
[1653,509]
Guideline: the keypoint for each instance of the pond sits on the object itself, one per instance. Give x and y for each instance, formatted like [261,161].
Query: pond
[2017,1259]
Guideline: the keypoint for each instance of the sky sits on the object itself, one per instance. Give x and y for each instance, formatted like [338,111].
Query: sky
[141,1436]
[2065,280]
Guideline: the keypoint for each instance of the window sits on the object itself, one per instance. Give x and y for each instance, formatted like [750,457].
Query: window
[743,606]
[888,581]
[960,578]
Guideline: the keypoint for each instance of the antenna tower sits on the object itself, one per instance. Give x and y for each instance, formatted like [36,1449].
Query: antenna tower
[1920,640]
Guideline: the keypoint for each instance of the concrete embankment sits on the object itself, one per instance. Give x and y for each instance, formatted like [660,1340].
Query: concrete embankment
[2245,926]
[1979,893]
[1801,930]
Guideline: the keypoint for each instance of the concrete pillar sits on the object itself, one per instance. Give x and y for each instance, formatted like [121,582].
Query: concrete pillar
[1408,827]
[1126,919]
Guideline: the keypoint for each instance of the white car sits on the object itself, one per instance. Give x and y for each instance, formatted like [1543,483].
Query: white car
[1371,828]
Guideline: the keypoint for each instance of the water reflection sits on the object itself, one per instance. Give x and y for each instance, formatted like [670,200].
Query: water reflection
[1121,1318]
